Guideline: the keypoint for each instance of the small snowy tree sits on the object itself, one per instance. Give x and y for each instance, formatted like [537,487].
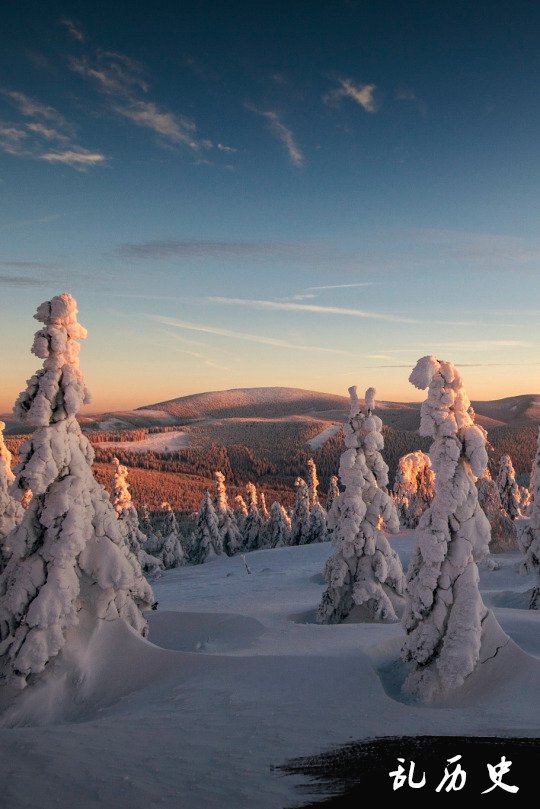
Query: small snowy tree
[11,511]
[318,531]
[206,539]
[414,487]
[171,551]
[253,524]
[69,556]
[300,518]
[313,483]
[529,534]
[333,492]
[265,514]
[364,573]
[278,527]
[508,487]
[445,613]
[129,520]
[240,513]
[231,537]
[503,529]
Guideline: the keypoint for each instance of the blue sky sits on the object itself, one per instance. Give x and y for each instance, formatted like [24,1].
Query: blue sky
[241,194]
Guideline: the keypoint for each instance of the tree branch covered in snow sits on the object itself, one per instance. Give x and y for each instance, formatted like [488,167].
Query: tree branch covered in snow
[529,532]
[11,511]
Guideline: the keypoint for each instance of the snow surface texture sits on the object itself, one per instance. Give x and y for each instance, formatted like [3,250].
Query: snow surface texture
[508,488]
[445,612]
[129,520]
[322,437]
[414,487]
[529,533]
[68,554]
[11,511]
[503,529]
[364,574]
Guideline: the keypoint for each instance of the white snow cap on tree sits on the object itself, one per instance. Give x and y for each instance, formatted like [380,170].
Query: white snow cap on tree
[278,529]
[68,554]
[414,487]
[11,511]
[444,614]
[364,574]
[231,537]
[333,492]
[529,534]
[508,488]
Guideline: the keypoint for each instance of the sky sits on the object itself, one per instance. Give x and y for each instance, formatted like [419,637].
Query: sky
[309,194]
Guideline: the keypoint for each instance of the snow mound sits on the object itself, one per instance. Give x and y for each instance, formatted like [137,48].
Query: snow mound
[208,632]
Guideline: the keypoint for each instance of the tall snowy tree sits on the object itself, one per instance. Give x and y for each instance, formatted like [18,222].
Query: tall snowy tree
[253,524]
[129,520]
[445,613]
[529,534]
[503,529]
[414,487]
[240,513]
[69,556]
[11,511]
[364,573]
[318,531]
[231,537]
[171,551]
[206,541]
[313,483]
[508,487]
[300,518]
[333,492]
[279,526]
[265,514]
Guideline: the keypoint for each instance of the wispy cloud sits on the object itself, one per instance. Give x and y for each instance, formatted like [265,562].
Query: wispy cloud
[20,281]
[26,265]
[73,28]
[190,248]
[77,159]
[122,80]
[52,142]
[223,148]
[345,286]
[282,133]
[362,94]
[305,307]
[250,338]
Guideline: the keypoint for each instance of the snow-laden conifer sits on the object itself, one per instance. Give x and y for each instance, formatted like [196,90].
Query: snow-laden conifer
[253,524]
[206,542]
[11,511]
[444,612]
[529,533]
[503,529]
[364,573]
[265,514]
[318,531]
[508,487]
[414,487]
[230,534]
[333,492]
[69,556]
[300,518]
[278,529]
[129,520]
[313,483]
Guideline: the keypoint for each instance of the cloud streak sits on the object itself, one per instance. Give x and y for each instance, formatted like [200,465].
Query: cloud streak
[73,29]
[282,133]
[246,337]
[208,248]
[361,94]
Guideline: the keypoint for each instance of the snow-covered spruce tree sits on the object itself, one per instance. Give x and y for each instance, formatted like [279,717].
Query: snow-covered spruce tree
[11,511]
[414,487]
[529,534]
[206,540]
[69,555]
[508,487]
[265,514]
[253,524]
[129,520]
[278,529]
[364,573]
[300,517]
[231,537]
[313,483]
[333,492]
[444,612]
[503,529]
[318,531]
[171,551]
